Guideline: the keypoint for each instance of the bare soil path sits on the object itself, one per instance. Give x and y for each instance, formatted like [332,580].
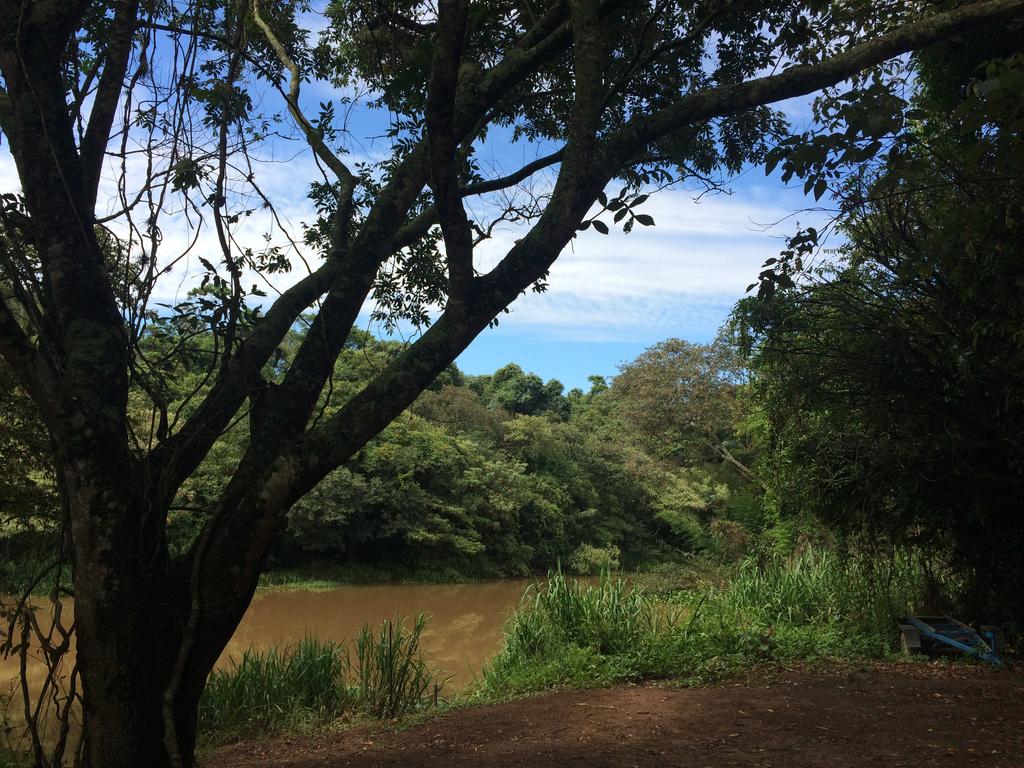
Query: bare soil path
[885,715]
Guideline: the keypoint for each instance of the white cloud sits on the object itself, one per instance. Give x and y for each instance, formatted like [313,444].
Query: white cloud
[684,273]
[681,274]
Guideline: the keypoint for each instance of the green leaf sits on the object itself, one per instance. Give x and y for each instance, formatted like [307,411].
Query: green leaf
[644,219]
[601,227]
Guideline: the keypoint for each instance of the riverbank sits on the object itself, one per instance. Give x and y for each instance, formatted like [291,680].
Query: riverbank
[567,633]
[836,714]
[664,576]
[303,662]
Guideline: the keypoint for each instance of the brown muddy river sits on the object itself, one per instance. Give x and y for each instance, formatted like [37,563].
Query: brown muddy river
[464,630]
[463,633]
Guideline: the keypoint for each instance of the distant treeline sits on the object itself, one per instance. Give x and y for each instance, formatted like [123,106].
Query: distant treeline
[495,475]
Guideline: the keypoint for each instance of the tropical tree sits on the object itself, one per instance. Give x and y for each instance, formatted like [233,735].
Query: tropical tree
[167,96]
[891,375]
[515,391]
[683,397]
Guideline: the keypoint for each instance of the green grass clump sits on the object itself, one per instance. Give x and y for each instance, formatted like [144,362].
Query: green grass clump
[812,605]
[392,679]
[314,682]
[567,631]
[609,617]
[277,688]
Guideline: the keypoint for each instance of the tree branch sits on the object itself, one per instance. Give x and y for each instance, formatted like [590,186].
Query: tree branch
[258,494]
[6,115]
[184,450]
[442,146]
[801,80]
[422,222]
[34,372]
[312,135]
[108,94]
[352,282]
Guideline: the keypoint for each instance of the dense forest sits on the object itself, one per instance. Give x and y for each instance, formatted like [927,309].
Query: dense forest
[890,372]
[484,476]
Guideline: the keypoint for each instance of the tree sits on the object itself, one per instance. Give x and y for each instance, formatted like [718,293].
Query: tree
[511,389]
[891,376]
[623,90]
[683,397]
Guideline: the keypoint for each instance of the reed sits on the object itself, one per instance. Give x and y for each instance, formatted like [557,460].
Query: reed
[814,604]
[277,688]
[821,586]
[392,679]
[316,681]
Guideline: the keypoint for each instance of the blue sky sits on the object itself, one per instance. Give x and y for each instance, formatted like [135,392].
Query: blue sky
[609,296]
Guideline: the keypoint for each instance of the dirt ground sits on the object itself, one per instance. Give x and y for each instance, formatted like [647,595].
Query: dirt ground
[872,715]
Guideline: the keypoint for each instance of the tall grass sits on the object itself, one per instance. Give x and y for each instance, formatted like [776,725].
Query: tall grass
[608,617]
[316,681]
[819,586]
[818,603]
[814,604]
[279,687]
[391,677]
[563,630]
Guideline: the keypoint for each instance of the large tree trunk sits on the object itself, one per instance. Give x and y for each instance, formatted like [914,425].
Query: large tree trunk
[128,643]
[129,615]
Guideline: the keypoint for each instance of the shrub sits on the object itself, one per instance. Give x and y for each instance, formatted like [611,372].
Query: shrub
[588,559]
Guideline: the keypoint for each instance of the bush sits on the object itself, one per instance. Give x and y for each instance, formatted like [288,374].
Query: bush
[728,538]
[588,559]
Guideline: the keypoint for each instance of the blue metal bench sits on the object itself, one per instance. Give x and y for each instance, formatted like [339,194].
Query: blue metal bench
[943,633]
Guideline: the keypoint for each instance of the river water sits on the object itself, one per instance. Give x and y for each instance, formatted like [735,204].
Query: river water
[464,630]
[463,633]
